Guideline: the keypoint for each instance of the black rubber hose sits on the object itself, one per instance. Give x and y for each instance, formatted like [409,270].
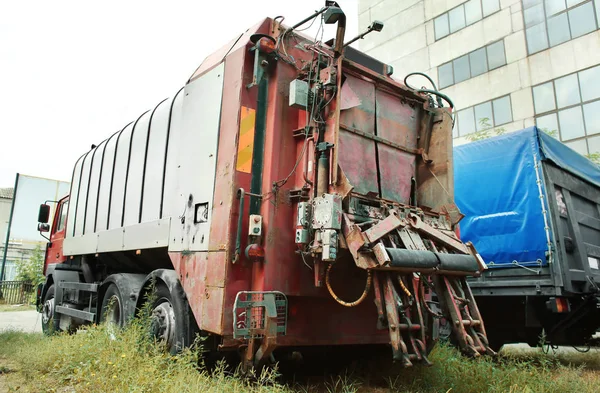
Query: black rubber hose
[422,74]
[438,94]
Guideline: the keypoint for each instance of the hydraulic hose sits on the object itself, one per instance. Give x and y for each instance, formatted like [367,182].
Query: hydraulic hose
[406,291]
[423,75]
[424,301]
[340,301]
[438,94]
[433,91]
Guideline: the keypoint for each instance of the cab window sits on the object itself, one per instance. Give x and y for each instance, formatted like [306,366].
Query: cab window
[64,207]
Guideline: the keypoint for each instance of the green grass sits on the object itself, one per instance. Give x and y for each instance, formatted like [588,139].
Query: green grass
[93,360]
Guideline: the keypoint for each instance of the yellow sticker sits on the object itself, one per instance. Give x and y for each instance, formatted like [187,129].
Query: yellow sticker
[246,140]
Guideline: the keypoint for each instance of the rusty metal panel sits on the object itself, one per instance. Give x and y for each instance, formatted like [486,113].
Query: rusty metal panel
[397,121]
[191,270]
[396,168]
[224,202]
[356,154]
[358,104]
[351,325]
[358,161]
[219,269]
[435,181]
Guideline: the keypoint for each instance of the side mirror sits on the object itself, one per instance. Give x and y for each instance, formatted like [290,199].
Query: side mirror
[44,213]
[42,227]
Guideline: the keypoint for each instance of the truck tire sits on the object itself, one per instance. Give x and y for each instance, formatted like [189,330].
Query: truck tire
[48,321]
[171,318]
[112,307]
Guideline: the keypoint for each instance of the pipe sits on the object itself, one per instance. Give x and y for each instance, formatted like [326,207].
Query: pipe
[259,144]
[12,209]
[339,35]
[307,160]
[323,174]
[241,194]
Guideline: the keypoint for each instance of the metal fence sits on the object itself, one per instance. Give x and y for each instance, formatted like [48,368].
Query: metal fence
[16,292]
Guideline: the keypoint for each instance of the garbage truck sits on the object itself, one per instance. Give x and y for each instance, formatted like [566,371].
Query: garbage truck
[532,208]
[290,195]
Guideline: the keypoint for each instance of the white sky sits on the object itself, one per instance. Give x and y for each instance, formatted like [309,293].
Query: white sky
[74,72]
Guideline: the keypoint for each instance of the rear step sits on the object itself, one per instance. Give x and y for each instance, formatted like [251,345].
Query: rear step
[79,285]
[73,312]
[411,260]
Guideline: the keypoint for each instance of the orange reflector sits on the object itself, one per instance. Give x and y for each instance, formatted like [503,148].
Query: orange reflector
[562,305]
[265,45]
[255,252]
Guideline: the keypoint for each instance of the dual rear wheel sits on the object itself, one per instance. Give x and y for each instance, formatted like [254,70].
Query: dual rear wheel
[171,320]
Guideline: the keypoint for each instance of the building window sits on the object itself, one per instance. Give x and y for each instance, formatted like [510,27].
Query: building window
[464,15]
[483,116]
[568,108]
[551,22]
[472,64]
[10,270]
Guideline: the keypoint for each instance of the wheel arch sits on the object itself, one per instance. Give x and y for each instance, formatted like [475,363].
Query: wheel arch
[47,284]
[129,286]
[168,277]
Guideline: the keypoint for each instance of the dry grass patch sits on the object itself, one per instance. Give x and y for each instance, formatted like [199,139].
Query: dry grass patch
[95,360]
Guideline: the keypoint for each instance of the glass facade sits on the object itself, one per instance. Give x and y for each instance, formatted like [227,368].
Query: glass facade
[472,64]
[551,22]
[568,108]
[464,15]
[483,116]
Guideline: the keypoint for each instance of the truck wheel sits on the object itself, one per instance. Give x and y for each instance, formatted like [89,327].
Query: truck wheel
[48,312]
[171,318]
[112,307]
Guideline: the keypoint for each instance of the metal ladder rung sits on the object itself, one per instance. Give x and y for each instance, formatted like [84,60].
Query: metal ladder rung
[85,315]
[78,285]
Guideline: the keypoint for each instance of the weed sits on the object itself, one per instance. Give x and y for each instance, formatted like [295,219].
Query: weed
[97,359]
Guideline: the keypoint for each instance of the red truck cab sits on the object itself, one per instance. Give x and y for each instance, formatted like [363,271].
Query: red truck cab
[54,251]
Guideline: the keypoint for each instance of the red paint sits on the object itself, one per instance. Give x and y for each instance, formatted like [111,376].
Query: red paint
[54,252]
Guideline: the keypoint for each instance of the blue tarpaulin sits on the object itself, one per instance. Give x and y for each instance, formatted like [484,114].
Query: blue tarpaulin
[496,189]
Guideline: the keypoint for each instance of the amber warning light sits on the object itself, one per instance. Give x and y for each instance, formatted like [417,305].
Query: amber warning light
[255,252]
[266,45]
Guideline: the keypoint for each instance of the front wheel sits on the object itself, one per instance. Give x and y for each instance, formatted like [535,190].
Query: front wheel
[172,320]
[48,312]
